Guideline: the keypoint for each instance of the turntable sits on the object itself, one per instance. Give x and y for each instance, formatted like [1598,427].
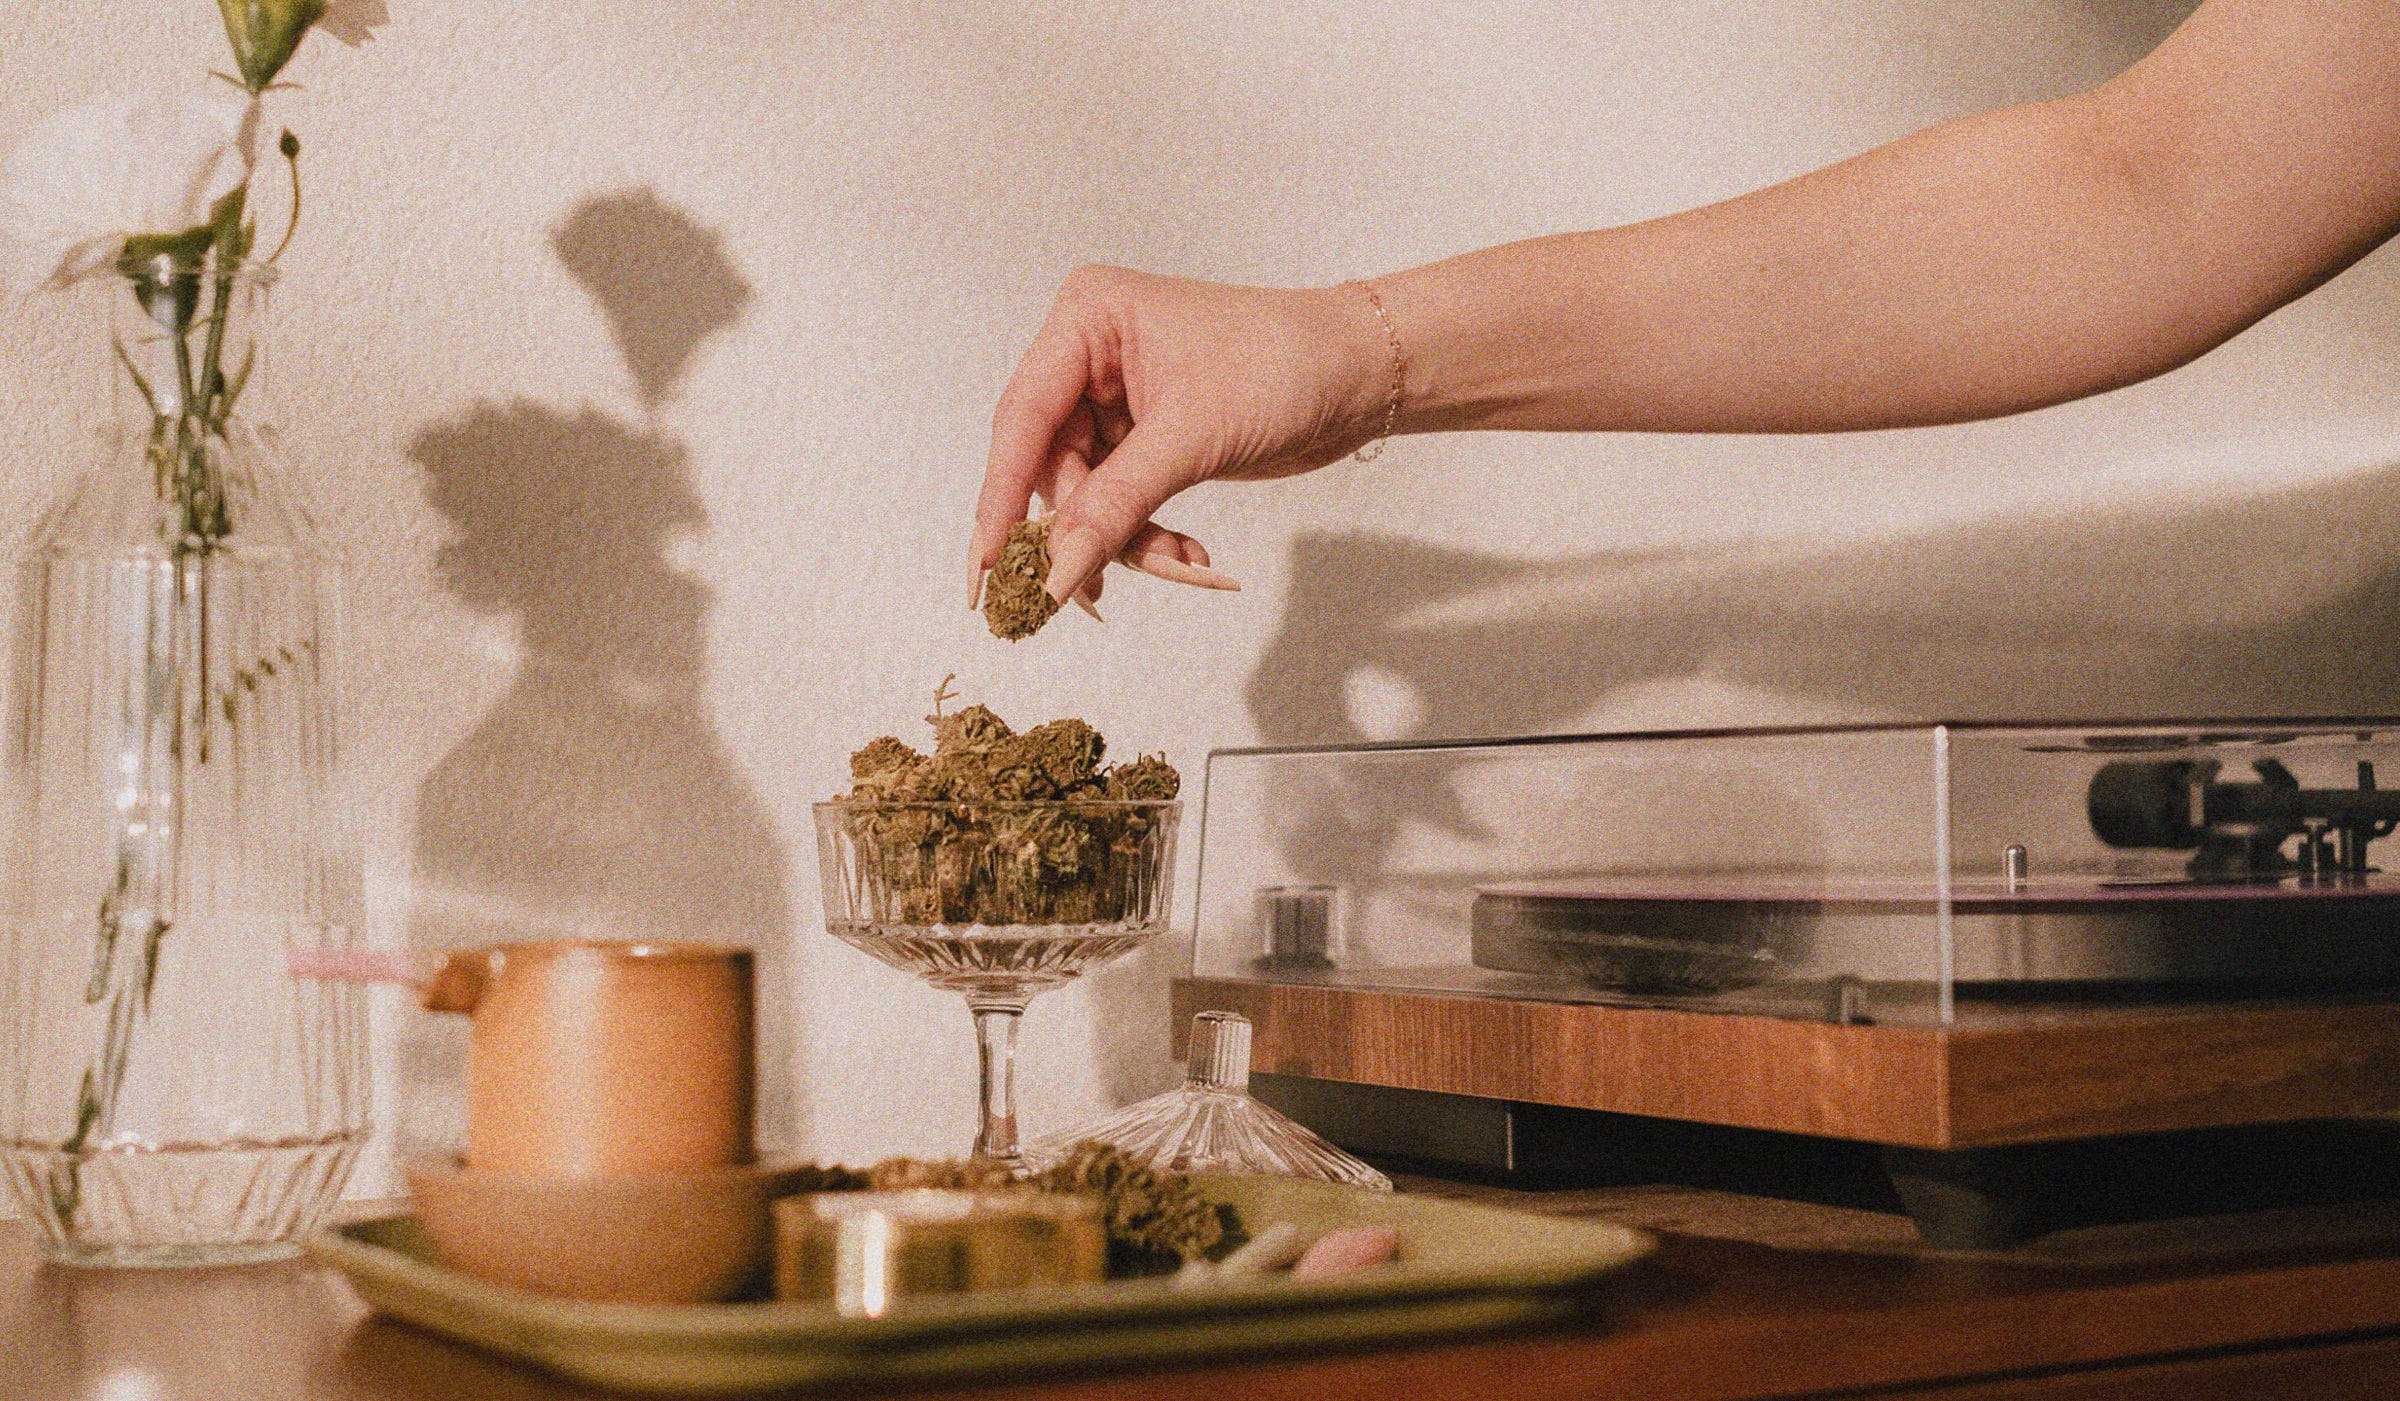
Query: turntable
[1970,946]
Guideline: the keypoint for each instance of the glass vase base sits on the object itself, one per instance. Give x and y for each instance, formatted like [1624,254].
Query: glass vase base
[178,1206]
[169,1257]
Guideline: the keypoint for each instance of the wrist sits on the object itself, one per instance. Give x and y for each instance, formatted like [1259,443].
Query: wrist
[1365,397]
[1527,335]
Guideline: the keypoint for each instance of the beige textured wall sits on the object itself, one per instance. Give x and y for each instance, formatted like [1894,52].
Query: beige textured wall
[611,635]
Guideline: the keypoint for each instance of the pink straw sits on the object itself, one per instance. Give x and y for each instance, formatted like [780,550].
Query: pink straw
[356,966]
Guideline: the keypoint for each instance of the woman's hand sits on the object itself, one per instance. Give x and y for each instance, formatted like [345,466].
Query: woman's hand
[1140,386]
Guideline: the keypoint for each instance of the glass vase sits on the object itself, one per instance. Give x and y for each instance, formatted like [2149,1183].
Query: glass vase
[172,1095]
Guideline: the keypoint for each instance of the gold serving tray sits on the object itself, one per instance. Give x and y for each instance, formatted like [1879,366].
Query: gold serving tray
[1464,1268]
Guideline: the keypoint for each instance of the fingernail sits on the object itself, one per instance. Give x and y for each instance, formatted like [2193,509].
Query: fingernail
[1199,576]
[1086,605]
[974,585]
[1073,557]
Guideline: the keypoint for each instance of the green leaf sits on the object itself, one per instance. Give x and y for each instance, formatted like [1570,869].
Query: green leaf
[241,379]
[185,249]
[87,1109]
[149,396]
[158,935]
[231,237]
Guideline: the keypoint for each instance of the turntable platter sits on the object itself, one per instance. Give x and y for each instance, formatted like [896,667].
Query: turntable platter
[1705,933]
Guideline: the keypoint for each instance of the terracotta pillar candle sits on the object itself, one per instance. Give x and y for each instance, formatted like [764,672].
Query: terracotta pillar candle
[589,1057]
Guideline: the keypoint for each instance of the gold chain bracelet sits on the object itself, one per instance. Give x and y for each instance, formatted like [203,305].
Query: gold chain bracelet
[1391,409]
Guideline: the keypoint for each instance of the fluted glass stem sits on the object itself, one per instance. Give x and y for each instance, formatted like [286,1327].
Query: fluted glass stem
[996,1050]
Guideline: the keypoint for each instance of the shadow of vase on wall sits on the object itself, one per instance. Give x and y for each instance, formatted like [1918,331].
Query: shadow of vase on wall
[594,799]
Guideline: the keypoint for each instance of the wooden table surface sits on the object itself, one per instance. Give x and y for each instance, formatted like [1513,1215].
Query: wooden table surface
[1704,1318]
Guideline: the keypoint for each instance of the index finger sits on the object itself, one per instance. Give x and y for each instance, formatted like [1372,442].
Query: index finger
[1050,381]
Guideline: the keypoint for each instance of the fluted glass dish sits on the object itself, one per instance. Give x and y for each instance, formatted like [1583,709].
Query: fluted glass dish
[1210,1123]
[998,902]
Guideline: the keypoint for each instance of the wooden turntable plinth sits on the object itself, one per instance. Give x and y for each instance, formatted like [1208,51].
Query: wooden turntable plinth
[2000,1074]
[1986,1129]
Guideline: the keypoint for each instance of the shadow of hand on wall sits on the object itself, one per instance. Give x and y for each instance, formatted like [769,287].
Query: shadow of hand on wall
[2282,604]
[594,800]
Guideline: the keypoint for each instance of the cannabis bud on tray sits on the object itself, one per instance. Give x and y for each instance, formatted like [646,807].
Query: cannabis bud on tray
[1015,604]
[1000,828]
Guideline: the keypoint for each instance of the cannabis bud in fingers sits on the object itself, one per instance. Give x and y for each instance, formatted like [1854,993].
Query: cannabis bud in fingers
[1015,604]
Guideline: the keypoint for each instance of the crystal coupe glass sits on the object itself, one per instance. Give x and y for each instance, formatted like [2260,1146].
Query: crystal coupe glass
[997,901]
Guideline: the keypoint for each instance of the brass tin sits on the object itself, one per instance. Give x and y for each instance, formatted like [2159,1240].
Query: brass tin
[865,1251]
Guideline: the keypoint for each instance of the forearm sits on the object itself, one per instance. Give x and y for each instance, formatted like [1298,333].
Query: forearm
[1999,263]
[1919,283]
[1994,264]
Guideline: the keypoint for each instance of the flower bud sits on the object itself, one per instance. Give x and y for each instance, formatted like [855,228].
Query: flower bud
[265,34]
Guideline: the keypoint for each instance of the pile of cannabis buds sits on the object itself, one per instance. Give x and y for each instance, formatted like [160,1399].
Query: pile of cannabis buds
[1001,827]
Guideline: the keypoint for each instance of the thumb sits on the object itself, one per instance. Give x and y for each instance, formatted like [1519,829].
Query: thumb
[1103,515]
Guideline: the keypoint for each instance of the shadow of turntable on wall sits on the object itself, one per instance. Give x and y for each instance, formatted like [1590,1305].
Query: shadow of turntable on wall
[2285,603]
[2281,603]
[595,798]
